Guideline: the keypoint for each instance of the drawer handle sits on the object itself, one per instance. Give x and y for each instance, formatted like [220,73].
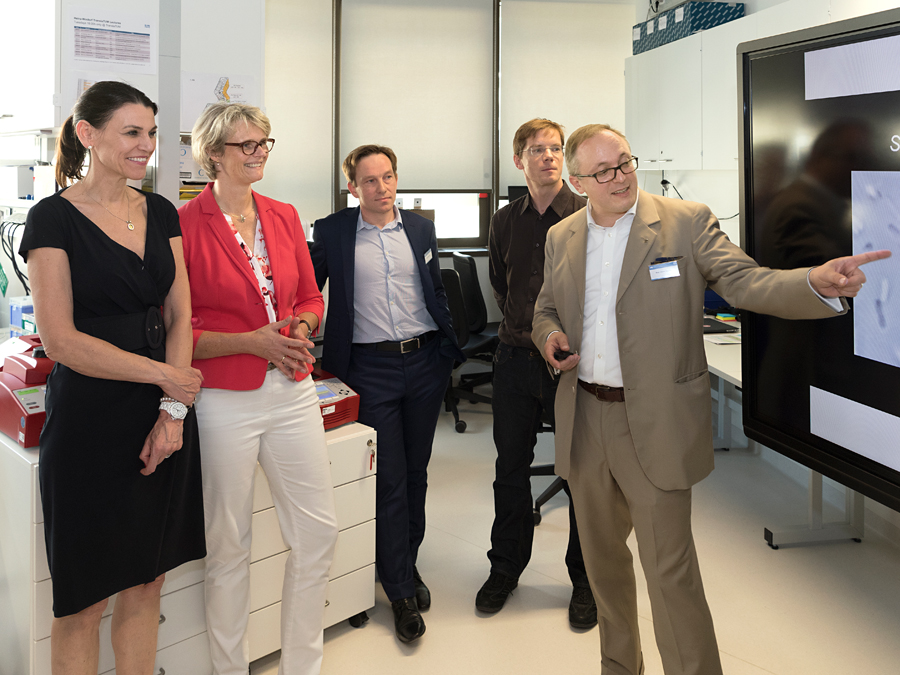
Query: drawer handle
[162,619]
[327,603]
[371,444]
[162,671]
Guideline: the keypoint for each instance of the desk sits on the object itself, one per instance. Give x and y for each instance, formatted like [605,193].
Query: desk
[724,362]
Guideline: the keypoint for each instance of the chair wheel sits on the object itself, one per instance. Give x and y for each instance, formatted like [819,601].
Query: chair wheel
[537,517]
[358,620]
[460,426]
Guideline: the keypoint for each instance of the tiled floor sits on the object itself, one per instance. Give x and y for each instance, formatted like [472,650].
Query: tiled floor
[826,610]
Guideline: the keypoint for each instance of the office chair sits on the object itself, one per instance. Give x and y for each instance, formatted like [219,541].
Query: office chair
[471,345]
[483,338]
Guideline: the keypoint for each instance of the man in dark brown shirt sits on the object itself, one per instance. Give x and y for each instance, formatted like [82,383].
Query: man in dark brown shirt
[524,390]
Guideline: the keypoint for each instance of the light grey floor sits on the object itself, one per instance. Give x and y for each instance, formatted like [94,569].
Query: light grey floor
[827,609]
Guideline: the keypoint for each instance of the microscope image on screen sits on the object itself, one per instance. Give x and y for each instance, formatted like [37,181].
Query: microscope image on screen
[876,225]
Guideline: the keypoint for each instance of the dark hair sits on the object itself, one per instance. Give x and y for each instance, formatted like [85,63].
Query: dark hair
[349,166]
[95,106]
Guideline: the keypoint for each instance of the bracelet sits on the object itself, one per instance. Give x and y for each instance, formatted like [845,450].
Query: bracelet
[169,399]
[308,332]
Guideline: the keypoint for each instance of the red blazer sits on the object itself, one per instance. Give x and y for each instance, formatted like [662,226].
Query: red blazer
[225,297]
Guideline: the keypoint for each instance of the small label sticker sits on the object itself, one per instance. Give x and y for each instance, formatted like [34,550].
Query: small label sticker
[664,270]
[327,410]
[636,34]
[679,14]
[650,27]
[428,256]
[663,22]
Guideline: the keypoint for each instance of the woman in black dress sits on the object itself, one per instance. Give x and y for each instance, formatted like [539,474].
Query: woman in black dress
[119,463]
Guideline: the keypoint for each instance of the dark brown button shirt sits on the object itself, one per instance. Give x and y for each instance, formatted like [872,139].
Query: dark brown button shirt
[516,248]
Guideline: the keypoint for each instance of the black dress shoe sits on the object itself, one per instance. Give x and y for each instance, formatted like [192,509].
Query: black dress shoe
[494,592]
[582,608]
[423,595]
[407,621]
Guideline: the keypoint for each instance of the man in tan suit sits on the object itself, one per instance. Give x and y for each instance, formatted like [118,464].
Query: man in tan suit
[624,281]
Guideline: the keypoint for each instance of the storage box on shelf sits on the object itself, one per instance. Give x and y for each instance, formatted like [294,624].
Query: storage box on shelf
[26,588]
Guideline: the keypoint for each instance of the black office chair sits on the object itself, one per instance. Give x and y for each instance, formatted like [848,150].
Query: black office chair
[483,338]
[457,306]
[475,307]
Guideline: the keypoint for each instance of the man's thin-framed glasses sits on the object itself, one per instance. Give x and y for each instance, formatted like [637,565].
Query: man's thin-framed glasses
[249,147]
[539,150]
[607,175]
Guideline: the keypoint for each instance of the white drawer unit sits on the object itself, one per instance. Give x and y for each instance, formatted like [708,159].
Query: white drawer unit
[351,585]
[26,591]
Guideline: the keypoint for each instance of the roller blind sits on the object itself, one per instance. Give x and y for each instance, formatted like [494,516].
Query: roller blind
[416,75]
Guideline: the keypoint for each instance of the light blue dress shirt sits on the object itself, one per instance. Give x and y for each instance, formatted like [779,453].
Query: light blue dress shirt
[389,303]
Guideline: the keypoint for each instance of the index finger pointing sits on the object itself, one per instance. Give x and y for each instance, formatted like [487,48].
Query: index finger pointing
[868,256]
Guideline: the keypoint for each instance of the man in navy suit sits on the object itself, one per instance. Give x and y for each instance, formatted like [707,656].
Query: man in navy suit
[388,335]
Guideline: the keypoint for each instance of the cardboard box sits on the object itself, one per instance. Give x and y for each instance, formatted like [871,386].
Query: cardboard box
[681,21]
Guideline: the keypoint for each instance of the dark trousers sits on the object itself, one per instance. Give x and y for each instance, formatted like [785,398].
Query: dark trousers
[523,392]
[400,395]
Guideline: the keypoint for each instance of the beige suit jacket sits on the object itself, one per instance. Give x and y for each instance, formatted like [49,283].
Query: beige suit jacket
[660,332]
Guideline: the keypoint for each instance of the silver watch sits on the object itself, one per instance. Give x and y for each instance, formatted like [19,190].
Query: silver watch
[176,409]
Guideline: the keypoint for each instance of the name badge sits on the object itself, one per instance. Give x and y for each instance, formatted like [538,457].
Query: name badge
[428,256]
[664,270]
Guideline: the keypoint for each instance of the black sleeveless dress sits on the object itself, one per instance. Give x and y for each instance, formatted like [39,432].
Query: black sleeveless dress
[108,527]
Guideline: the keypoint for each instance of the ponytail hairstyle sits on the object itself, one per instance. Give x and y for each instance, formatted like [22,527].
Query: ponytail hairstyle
[95,106]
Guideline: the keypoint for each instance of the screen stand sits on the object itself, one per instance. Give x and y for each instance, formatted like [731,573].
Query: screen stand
[815,532]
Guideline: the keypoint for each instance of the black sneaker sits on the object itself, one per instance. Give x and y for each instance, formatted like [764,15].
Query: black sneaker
[582,608]
[493,593]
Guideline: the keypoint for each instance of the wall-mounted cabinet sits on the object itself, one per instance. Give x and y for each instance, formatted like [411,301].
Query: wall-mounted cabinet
[663,95]
[720,106]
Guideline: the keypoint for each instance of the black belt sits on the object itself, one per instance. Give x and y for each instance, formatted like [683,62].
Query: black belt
[403,346]
[604,393]
[130,332]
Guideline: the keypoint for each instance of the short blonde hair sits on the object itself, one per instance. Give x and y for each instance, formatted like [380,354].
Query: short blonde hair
[583,134]
[532,127]
[216,124]
[352,160]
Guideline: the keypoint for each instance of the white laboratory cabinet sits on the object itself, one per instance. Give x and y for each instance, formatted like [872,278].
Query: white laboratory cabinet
[26,591]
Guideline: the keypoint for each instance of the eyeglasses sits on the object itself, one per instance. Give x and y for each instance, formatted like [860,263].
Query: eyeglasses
[539,150]
[249,147]
[607,175]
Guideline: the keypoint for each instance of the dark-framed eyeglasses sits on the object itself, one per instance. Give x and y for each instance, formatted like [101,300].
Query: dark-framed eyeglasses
[249,147]
[607,175]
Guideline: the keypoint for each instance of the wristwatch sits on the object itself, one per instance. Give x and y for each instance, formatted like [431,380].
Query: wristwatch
[176,409]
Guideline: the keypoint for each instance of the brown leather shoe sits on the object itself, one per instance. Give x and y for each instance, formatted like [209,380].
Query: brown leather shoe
[408,623]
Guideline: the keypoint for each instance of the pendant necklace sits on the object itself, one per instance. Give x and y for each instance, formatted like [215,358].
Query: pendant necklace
[127,222]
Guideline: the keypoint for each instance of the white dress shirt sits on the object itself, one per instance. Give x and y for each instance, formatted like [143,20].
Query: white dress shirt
[599,341]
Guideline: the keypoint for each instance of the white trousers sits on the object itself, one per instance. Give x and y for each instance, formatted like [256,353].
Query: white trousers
[280,426]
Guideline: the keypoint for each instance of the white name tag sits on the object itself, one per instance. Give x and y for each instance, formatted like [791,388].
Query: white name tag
[664,270]
[428,256]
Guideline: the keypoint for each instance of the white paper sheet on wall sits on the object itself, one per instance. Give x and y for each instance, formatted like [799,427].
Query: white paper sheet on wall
[113,41]
[199,90]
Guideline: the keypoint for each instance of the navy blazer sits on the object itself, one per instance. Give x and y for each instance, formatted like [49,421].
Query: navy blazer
[334,254]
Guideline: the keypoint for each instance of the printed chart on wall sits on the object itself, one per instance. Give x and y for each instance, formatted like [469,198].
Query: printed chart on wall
[112,41]
[200,90]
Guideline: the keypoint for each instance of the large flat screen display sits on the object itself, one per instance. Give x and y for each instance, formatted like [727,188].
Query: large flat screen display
[820,178]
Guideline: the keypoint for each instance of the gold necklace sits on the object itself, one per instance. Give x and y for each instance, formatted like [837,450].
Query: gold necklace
[128,203]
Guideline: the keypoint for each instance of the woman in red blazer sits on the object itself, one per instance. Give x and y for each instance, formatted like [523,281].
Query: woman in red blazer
[255,302]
